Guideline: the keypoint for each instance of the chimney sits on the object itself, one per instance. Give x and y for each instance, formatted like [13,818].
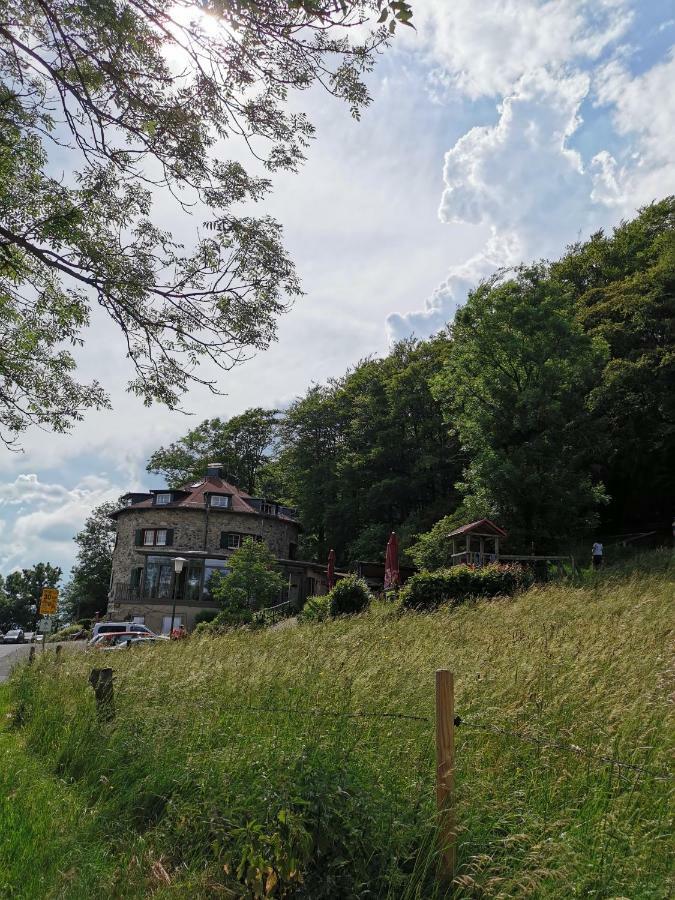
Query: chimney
[214,470]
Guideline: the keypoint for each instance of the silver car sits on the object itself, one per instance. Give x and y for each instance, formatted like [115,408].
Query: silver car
[15,636]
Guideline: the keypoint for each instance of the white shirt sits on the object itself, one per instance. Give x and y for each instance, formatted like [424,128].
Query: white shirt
[597,549]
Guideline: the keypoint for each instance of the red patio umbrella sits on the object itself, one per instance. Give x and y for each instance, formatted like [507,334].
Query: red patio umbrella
[392,576]
[330,570]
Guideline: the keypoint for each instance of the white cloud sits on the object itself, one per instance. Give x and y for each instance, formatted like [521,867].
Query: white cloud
[520,179]
[29,489]
[44,518]
[485,48]
[643,110]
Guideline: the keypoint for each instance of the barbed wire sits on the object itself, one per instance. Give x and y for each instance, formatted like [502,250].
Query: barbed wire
[573,749]
[564,748]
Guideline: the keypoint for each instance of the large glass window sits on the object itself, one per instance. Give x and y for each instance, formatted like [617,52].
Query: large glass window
[190,581]
[158,581]
[220,500]
[211,566]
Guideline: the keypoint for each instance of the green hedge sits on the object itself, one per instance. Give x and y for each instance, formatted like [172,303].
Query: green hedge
[427,590]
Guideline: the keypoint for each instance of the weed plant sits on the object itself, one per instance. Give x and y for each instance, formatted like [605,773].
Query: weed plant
[260,764]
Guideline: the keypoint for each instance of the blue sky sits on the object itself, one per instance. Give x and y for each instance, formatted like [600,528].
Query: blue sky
[499,132]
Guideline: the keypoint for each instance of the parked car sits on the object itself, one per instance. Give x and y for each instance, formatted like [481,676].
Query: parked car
[29,637]
[125,642]
[107,640]
[15,636]
[119,628]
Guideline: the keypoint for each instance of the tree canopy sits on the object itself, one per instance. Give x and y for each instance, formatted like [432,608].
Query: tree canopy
[87,591]
[145,96]
[242,445]
[20,594]
[547,405]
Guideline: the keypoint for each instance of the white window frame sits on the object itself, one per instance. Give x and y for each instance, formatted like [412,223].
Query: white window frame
[162,499]
[219,500]
[149,533]
[163,531]
[233,535]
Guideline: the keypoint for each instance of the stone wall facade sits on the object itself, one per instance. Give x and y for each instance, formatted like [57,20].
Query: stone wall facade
[197,535]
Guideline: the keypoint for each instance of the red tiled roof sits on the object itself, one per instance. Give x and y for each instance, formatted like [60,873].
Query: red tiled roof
[194,498]
[482,524]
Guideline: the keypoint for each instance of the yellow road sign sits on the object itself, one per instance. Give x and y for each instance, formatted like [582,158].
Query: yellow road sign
[48,601]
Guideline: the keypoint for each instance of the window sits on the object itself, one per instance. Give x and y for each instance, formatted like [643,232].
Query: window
[163,499]
[189,581]
[156,537]
[230,540]
[267,508]
[138,620]
[166,623]
[221,500]
[158,580]
[211,566]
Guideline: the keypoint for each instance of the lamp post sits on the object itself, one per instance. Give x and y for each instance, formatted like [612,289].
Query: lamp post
[178,564]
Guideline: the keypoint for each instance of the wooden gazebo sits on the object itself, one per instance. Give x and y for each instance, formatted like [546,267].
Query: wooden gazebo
[476,543]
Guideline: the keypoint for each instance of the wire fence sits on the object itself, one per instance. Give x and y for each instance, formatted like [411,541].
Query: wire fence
[459,721]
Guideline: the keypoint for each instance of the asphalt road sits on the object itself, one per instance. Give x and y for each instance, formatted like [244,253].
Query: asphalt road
[10,654]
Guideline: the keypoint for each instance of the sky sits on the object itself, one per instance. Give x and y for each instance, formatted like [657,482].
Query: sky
[499,133]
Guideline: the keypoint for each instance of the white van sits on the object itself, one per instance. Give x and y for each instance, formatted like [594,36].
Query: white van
[120,628]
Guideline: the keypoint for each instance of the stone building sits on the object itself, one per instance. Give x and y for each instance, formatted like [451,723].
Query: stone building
[204,523]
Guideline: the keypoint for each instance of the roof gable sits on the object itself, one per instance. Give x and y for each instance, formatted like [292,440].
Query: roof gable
[482,526]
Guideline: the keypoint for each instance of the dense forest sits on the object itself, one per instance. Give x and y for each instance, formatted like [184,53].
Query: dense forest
[547,405]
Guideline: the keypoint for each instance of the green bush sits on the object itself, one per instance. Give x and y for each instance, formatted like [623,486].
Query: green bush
[316,609]
[427,590]
[350,595]
[66,634]
[205,615]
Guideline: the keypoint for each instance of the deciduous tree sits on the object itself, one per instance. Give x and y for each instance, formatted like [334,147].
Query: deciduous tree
[143,97]
[520,369]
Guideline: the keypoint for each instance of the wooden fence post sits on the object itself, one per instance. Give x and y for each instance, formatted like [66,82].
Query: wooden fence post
[445,766]
[31,655]
[59,648]
[102,682]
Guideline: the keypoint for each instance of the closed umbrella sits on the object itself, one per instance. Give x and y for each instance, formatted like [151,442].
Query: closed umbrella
[330,571]
[392,576]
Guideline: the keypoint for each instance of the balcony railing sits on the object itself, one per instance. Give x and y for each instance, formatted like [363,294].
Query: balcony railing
[472,558]
[127,593]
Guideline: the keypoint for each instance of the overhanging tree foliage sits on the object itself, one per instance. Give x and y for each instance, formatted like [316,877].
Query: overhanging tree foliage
[143,95]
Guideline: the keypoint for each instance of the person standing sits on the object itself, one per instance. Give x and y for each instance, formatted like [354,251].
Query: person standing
[597,555]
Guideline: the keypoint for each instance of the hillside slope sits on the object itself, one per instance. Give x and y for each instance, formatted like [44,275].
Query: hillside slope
[236,766]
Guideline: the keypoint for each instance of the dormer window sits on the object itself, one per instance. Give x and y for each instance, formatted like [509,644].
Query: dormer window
[220,500]
[163,499]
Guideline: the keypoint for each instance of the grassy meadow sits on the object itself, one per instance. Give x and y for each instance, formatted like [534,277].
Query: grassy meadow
[237,767]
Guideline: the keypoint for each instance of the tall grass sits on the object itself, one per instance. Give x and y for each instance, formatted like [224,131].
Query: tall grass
[236,766]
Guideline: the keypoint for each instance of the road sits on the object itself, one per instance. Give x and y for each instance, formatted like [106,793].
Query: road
[10,654]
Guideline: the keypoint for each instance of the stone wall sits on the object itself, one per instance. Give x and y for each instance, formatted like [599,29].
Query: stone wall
[195,530]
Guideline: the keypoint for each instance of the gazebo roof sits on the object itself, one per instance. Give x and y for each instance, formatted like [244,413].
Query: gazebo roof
[482,526]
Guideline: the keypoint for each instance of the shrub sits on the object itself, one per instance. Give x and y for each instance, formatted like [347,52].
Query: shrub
[205,615]
[350,595]
[316,609]
[427,590]
[67,633]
